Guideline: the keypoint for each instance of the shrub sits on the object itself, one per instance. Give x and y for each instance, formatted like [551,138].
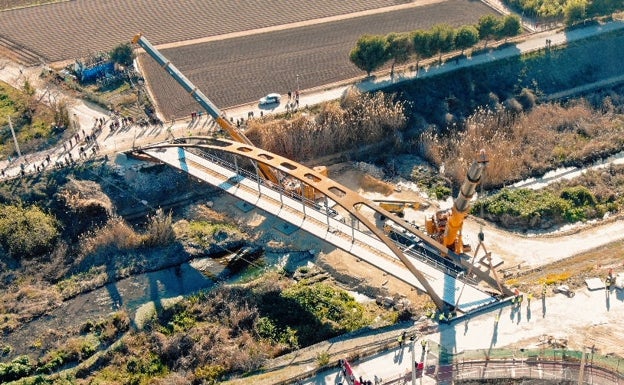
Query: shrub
[5,349]
[523,204]
[210,374]
[441,192]
[322,359]
[527,99]
[122,54]
[159,229]
[16,369]
[329,305]
[580,196]
[266,329]
[26,232]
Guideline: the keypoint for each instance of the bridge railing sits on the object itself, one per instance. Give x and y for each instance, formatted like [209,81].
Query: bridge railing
[255,177]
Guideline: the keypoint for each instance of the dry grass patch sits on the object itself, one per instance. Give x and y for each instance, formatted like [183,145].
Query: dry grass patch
[555,278]
[526,144]
[118,235]
[84,196]
[356,120]
[27,301]
[115,234]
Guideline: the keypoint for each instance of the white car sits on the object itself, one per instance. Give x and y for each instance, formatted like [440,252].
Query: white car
[270,99]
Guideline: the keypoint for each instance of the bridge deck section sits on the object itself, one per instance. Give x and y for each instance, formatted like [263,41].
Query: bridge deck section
[296,211]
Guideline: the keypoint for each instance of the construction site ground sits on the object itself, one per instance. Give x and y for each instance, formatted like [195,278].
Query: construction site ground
[588,319]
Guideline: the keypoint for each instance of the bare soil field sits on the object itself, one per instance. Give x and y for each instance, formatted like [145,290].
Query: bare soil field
[14,4]
[67,30]
[241,70]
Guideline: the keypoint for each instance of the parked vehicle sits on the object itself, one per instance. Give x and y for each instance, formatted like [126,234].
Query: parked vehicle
[270,99]
[564,289]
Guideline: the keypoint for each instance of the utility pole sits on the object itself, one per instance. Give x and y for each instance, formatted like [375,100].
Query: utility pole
[76,123]
[413,340]
[19,153]
[297,82]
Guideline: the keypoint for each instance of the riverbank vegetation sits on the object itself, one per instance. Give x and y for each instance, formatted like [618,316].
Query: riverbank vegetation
[204,337]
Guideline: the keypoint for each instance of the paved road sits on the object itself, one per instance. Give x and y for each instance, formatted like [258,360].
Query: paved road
[531,43]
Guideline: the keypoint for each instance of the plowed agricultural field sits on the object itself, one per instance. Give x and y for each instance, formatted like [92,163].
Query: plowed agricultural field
[235,70]
[241,70]
[66,30]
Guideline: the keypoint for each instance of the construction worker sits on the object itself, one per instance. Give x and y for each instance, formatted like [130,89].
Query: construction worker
[516,296]
[428,313]
[609,280]
[441,317]
[423,343]
[401,338]
[529,298]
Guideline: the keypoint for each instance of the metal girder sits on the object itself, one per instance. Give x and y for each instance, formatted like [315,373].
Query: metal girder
[343,196]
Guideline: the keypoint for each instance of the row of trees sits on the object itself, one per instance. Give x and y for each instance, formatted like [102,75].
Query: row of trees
[373,51]
[571,10]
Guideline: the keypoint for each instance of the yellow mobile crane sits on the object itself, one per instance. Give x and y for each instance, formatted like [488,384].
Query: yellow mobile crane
[445,226]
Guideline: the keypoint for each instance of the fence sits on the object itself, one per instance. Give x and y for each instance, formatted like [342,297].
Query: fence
[539,364]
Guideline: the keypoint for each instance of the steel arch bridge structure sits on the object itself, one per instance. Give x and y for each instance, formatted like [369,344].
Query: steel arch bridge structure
[218,162]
